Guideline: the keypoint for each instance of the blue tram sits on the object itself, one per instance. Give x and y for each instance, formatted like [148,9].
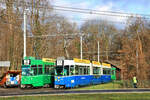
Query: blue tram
[80,72]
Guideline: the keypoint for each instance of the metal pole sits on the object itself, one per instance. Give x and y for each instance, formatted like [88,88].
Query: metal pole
[98,50]
[24,33]
[81,46]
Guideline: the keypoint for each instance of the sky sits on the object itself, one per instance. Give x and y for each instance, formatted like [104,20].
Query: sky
[125,6]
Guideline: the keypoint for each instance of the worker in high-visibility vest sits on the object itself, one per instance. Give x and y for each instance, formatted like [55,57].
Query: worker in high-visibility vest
[134,82]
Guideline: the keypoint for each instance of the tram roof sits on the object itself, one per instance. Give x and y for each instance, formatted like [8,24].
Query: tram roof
[96,64]
[69,62]
[84,62]
[72,62]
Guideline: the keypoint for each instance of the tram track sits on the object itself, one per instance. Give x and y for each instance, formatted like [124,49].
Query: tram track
[35,92]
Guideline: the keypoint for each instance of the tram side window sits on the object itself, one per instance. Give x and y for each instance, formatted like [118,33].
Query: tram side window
[80,70]
[100,71]
[66,70]
[76,70]
[33,70]
[95,70]
[85,70]
[106,71]
[47,69]
[88,70]
[51,70]
[109,72]
[72,71]
[39,69]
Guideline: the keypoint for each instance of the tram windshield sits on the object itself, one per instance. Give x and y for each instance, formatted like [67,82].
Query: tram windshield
[60,71]
[25,71]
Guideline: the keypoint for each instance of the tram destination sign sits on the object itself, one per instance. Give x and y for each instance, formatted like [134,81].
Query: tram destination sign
[60,62]
[4,63]
[26,62]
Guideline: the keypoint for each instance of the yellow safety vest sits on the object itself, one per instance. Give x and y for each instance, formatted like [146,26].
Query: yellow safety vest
[134,80]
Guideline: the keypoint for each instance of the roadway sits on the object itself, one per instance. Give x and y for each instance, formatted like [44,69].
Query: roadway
[50,91]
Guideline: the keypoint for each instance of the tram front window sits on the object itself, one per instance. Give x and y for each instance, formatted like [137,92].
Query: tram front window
[59,71]
[25,71]
[62,72]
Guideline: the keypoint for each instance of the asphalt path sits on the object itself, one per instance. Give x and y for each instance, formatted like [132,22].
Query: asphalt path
[43,91]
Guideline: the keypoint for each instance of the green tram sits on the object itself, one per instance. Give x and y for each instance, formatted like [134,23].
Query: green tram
[37,72]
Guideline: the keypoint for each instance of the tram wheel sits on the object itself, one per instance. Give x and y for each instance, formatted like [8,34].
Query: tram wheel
[56,86]
[46,86]
[22,86]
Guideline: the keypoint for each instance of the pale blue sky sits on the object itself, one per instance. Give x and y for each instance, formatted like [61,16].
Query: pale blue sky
[126,6]
[134,6]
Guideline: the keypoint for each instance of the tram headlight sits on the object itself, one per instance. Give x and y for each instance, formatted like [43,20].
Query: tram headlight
[72,81]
